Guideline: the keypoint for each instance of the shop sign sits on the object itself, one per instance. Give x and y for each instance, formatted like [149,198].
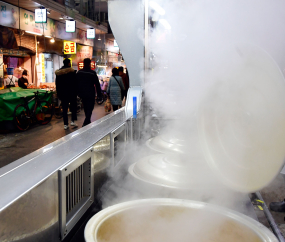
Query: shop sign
[9,15]
[80,65]
[70,26]
[80,36]
[42,64]
[90,33]
[28,23]
[14,52]
[40,15]
[69,47]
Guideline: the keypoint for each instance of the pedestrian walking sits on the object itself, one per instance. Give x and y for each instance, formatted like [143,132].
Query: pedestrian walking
[125,79]
[88,80]
[115,89]
[67,90]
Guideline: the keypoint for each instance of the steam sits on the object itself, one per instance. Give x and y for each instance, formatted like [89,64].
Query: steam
[195,51]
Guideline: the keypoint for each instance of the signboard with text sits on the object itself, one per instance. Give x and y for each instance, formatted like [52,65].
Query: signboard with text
[28,23]
[40,15]
[69,47]
[42,60]
[80,65]
[90,33]
[9,15]
[70,26]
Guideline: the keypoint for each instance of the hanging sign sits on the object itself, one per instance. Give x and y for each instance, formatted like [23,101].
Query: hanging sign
[70,26]
[69,47]
[42,58]
[90,33]
[40,15]
[80,65]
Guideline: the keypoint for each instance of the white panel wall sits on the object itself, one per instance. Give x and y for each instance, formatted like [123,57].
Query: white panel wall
[126,18]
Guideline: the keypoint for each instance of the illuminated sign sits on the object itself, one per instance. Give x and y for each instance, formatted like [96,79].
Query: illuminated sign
[70,26]
[42,66]
[81,65]
[90,33]
[40,15]
[69,47]
[93,65]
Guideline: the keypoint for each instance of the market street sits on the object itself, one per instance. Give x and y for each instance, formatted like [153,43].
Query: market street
[15,145]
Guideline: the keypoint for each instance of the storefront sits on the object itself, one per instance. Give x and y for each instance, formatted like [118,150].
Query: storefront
[37,47]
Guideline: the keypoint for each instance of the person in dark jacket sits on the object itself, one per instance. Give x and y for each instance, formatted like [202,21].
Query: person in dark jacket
[125,79]
[67,88]
[23,81]
[115,89]
[88,80]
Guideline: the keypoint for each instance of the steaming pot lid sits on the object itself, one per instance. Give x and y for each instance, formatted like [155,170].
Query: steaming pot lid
[175,143]
[171,170]
[242,121]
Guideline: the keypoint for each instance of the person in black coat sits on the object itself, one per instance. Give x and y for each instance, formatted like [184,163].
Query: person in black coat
[88,80]
[23,81]
[67,90]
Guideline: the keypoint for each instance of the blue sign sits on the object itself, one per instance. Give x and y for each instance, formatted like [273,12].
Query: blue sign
[134,107]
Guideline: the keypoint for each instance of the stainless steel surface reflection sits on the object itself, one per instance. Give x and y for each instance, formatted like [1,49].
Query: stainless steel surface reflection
[171,170]
[25,222]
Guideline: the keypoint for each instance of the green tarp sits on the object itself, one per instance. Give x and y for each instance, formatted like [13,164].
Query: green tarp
[11,97]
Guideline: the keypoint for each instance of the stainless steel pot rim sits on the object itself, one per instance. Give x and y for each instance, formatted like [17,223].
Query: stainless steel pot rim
[171,171]
[160,149]
[98,219]
[131,171]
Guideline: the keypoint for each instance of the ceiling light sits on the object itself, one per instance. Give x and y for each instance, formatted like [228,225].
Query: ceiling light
[52,40]
[48,12]
[30,32]
[99,38]
[157,8]
[61,17]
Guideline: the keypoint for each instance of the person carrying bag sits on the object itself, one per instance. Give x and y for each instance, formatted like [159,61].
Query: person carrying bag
[115,89]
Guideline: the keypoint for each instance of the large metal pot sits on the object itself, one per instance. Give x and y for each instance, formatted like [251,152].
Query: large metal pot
[173,220]
[172,171]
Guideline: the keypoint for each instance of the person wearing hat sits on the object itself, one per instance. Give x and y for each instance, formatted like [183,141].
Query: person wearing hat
[23,81]
[67,89]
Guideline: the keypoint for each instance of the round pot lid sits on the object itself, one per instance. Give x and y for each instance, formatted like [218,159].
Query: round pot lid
[242,121]
[169,170]
[173,143]
[170,219]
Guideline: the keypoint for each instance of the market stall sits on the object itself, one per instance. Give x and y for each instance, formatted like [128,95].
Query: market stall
[11,97]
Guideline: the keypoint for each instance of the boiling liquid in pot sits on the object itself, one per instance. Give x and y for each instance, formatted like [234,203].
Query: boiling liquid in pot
[169,224]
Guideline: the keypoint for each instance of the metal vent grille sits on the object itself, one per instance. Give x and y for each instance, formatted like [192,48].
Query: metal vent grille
[74,188]
[76,191]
